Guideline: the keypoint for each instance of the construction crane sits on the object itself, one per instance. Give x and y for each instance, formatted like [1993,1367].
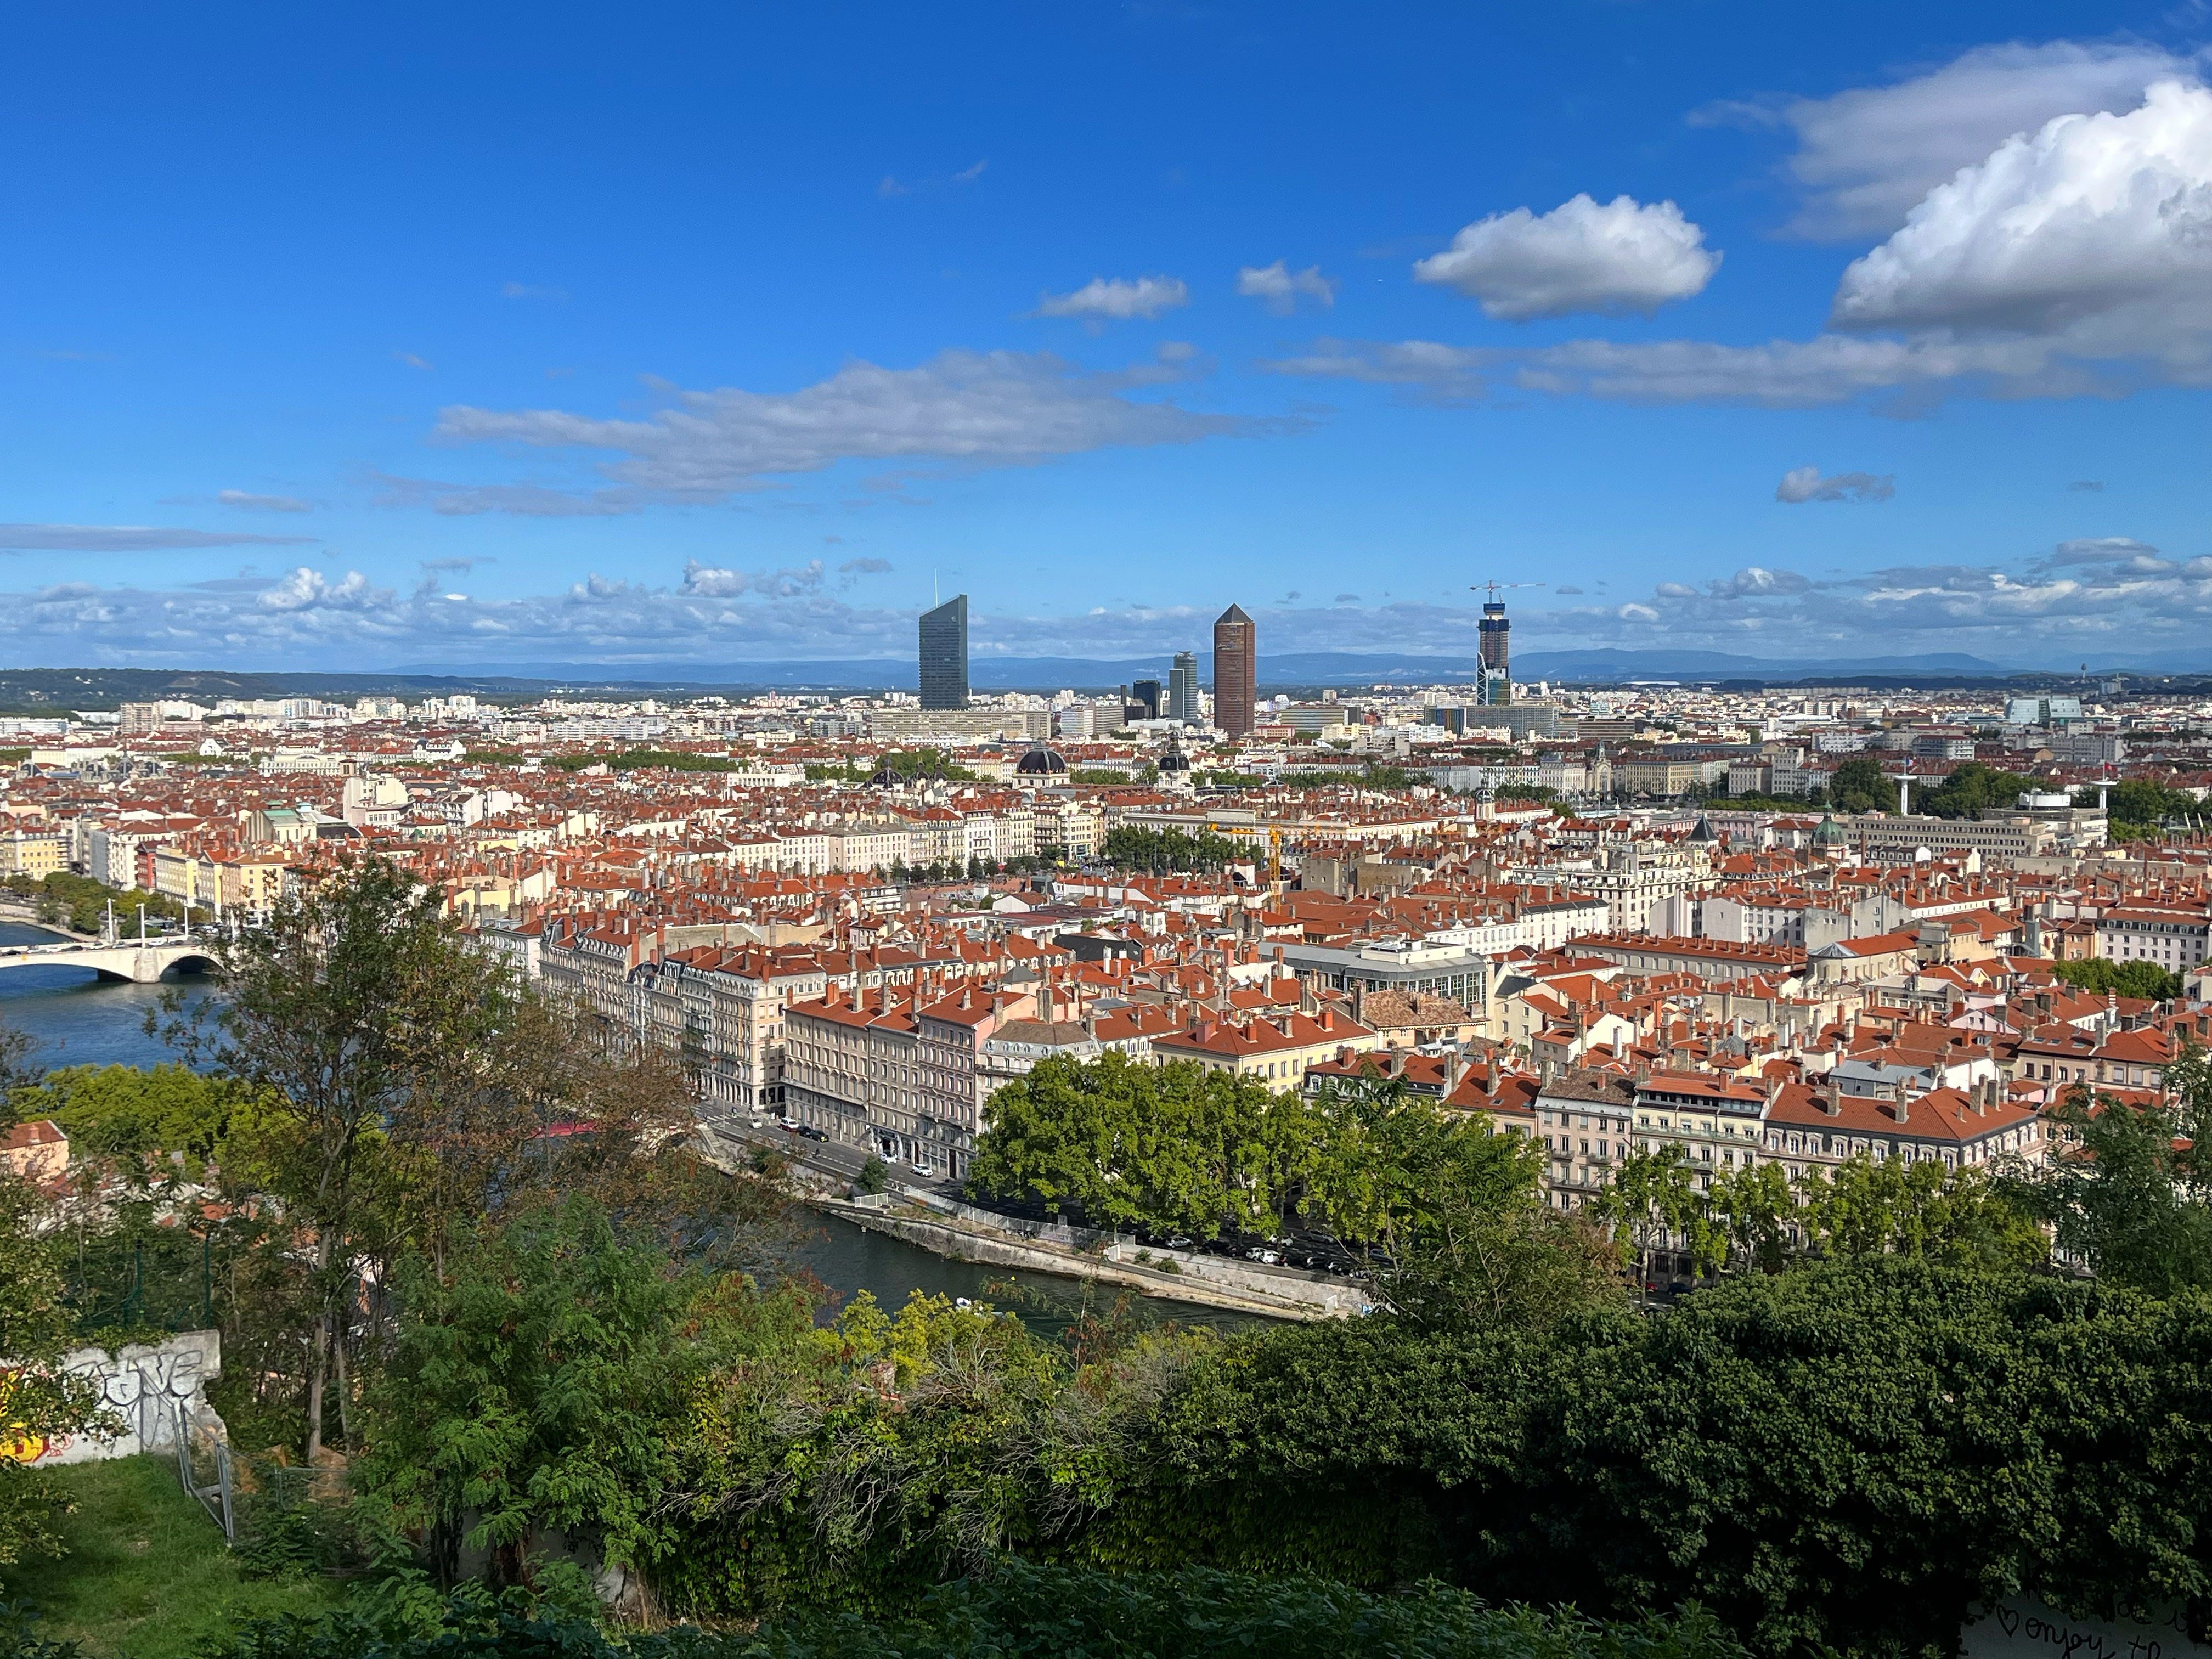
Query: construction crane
[1495,588]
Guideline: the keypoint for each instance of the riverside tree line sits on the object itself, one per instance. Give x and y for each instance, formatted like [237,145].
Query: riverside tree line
[474,1253]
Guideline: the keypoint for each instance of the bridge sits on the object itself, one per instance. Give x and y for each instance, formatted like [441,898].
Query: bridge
[141,963]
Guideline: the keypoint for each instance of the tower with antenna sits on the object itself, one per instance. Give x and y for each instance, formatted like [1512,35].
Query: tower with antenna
[1494,684]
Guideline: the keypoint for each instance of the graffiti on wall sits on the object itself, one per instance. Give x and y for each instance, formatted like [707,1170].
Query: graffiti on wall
[143,1384]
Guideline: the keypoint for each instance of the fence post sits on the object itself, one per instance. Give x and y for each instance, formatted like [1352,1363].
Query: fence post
[223,1478]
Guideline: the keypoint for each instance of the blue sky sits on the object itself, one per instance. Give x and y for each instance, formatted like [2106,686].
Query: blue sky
[484,335]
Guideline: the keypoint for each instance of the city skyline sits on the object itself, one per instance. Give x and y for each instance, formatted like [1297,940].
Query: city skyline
[615,349]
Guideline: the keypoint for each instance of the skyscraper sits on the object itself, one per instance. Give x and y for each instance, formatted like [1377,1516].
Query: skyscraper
[944,654]
[1182,690]
[1235,665]
[1146,694]
[1497,686]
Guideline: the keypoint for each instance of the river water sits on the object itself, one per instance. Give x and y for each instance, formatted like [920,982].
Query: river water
[74,1019]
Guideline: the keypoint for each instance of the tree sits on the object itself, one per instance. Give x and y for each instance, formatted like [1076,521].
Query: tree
[2143,980]
[333,1015]
[1653,1199]
[543,1379]
[2129,1194]
[1860,786]
[131,1112]
[1962,1216]
[1973,786]
[40,1403]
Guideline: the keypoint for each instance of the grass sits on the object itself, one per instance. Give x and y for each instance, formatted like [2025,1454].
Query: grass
[147,1575]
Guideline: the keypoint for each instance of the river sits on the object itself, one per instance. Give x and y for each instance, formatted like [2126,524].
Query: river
[75,1019]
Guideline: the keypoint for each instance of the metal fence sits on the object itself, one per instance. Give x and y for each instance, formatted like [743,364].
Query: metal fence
[204,1468]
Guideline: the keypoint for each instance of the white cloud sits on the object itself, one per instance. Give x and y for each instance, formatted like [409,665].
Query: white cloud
[411,360]
[127,538]
[1805,483]
[1864,157]
[246,502]
[705,581]
[1280,286]
[1116,299]
[2095,233]
[862,567]
[306,589]
[2122,553]
[999,407]
[1620,258]
[968,175]
[2071,263]
[2131,597]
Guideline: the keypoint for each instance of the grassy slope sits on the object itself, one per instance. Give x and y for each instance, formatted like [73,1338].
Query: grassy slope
[146,1575]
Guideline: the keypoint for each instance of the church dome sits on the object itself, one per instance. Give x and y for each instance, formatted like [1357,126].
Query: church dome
[1831,834]
[1042,761]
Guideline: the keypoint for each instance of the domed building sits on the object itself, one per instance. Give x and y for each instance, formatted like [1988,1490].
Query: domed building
[1829,839]
[1042,764]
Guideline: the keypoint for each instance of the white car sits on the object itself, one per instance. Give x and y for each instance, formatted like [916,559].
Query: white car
[924,1170]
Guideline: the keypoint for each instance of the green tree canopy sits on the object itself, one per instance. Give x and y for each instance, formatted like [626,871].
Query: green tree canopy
[1860,786]
[2144,980]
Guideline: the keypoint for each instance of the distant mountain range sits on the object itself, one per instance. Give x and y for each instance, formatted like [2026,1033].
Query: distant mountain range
[48,690]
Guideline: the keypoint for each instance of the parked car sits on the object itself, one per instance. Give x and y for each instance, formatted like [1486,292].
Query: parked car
[922,1168]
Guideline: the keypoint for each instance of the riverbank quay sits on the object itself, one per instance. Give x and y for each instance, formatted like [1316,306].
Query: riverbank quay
[937,1220]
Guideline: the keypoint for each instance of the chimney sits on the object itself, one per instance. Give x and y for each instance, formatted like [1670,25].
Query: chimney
[1831,1098]
[1455,1069]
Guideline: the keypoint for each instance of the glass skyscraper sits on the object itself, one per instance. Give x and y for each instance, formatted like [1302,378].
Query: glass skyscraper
[1182,690]
[944,654]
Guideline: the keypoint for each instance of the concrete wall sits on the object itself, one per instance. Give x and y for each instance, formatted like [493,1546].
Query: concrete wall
[142,1385]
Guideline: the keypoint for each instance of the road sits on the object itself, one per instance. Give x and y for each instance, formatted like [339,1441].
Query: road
[831,1159]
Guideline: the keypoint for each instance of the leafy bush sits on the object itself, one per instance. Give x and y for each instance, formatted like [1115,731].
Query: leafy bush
[1017,1609]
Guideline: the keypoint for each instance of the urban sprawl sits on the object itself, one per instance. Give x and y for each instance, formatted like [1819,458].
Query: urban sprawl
[1798,927]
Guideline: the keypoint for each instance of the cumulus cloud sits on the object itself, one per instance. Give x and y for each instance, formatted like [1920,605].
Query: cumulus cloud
[864,567]
[1620,258]
[2095,231]
[2133,598]
[1805,483]
[1279,287]
[1864,157]
[2070,262]
[127,538]
[306,589]
[246,502]
[1116,299]
[999,407]
[706,581]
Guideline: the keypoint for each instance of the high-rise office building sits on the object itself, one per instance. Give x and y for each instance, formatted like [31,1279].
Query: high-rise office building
[1235,665]
[1496,685]
[944,654]
[1145,695]
[1182,690]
